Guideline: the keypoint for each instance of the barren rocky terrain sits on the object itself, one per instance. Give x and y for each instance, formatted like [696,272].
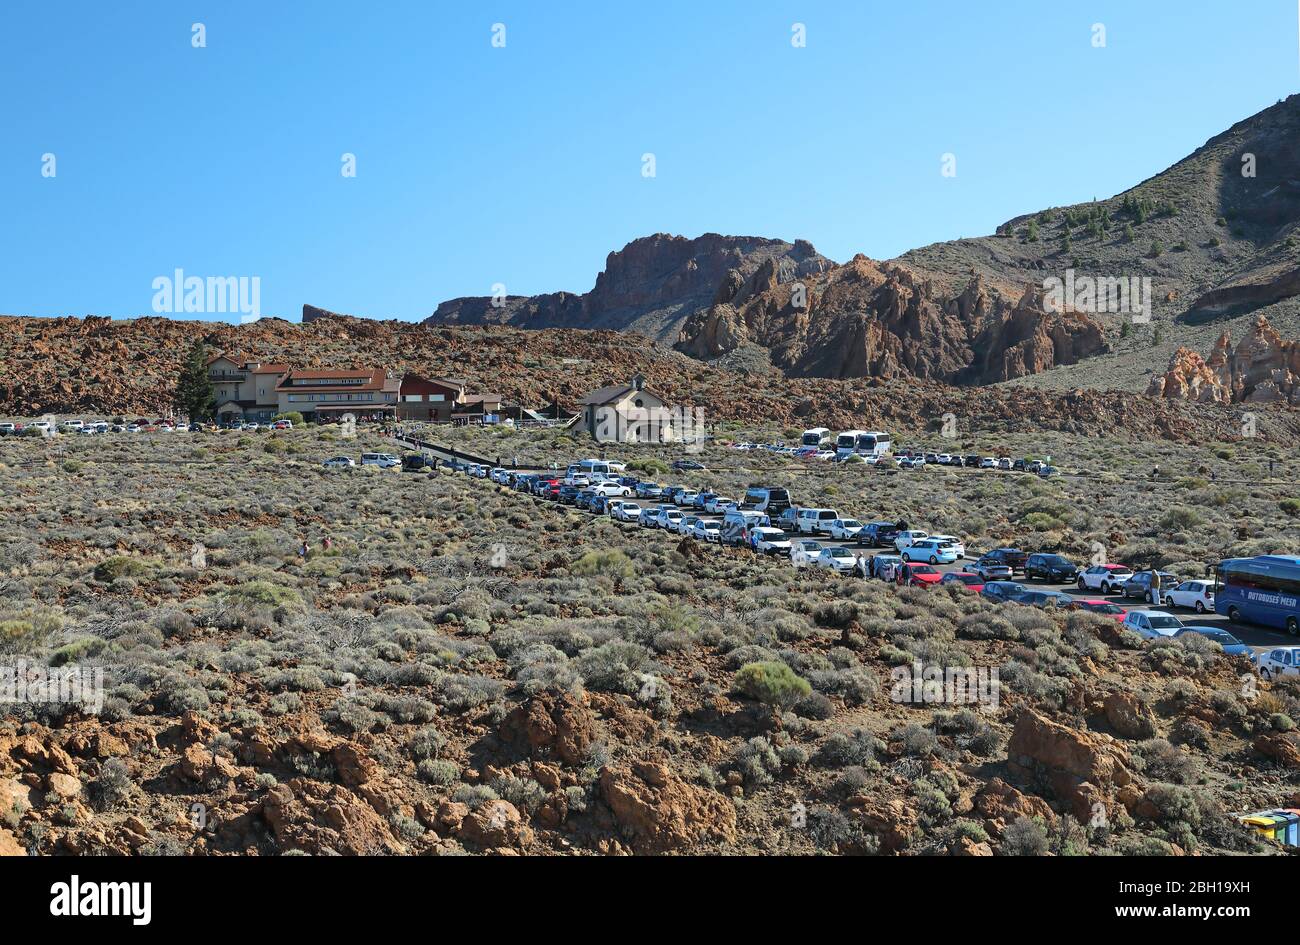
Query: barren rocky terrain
[468,670]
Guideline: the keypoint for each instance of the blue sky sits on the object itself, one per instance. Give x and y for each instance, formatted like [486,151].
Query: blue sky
[523,165]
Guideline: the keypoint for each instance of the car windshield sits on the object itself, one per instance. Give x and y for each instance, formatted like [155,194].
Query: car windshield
[923,569]
[1056,559]
[1164,623]
[966,578]
[1219,636]
[1107,608]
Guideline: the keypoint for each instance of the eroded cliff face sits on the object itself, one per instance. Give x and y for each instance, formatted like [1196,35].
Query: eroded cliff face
[1262,368]
[873,319]
[650,286]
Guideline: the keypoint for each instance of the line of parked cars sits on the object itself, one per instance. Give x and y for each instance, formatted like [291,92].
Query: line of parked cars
[908,458]
[891,551]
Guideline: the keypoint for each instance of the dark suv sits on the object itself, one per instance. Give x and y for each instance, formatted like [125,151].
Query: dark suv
[973,461]
[1013,558]
[1139,585]
[1003,590]
[878,535]
[1055,569]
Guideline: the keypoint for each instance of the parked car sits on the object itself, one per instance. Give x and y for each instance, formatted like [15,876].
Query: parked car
[1018,466]
[771,541]
[1231,645]
[878,535]
[687,525]
[921,575]
[719,504]
[686,498]
[628,512]
[1107,578]
[908,537]
[1004,463]
[1098,606]
[671,493]
[683,465]
[338,462]
[1046,472]
[1139,585]
[707,530]
[956,544]
[837,558]
[988,462]
[1152,623]
[1284,661]
[611,489]
[569,495]
[967,579]
[845,528]
[991,569]
[1003,590]
[382,460]
[668,518]
[930,550]
[1013,558]
[815,521]
[1197,595]
[702,499]
[805,551]
[416,462]
[1039,598]
[648,490]
[1055,569]
[649,517]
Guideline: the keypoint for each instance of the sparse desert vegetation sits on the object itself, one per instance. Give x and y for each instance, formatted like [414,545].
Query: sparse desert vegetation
[595,689]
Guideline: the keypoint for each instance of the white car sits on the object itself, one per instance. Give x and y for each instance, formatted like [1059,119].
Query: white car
[609,489]
[707,530]
[988,462]
[1152,623]
[1005,463]
[1104,577]
[824,455]
[43,425]
[628,512]
[7,428]
[958,546]
[612,506]
[338,462]
[1198,595]
[649,518]
[804,551]
[668,518]
[1284,661]
[687,498]
[497,475]
[837,559]
[771,541]
[382,460]
[910,537]
[719,504]
[686,525]
[71,426]
[845,528]
[944,459]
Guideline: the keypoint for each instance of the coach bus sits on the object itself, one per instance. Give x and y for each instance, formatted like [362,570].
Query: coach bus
[1263,590]
[818,436]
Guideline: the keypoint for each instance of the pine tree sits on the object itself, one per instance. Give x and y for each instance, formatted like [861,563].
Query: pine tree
[195,395]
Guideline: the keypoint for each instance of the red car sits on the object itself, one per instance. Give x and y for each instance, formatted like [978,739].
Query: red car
[1098,606]
[922,575]
[972,582]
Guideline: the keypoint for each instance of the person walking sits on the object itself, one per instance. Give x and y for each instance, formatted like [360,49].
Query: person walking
[1155,587]
[871,566]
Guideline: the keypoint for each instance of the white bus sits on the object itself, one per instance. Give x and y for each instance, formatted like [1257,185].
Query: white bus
[873,443]
[847,442]
[817,436]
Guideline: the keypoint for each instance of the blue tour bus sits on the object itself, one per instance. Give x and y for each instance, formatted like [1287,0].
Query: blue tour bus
[1263,590]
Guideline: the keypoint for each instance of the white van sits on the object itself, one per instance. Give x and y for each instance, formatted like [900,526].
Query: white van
[815,521]
[383,460]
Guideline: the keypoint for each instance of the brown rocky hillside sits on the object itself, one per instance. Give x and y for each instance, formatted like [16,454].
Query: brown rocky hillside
[105,367]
